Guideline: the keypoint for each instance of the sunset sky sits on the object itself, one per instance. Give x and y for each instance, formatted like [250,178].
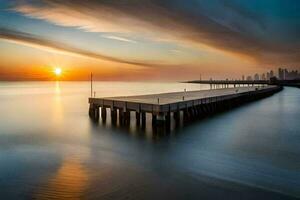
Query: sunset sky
[147,39]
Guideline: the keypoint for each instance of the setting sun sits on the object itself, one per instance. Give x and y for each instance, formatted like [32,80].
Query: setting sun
[57,71]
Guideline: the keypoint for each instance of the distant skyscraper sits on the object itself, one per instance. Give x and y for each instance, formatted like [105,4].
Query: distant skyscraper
[268,76]
[243,77]
[256,77]
[271,73]
[285,74]
[263,77]
[281,74]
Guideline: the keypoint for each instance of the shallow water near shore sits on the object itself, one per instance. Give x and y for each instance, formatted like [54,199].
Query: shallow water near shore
[50,149]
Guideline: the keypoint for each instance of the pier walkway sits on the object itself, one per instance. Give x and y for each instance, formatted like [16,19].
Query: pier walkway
[191,103]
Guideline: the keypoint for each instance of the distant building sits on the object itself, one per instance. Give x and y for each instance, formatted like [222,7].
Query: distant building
[283,74]
[290,75]
[268,76]
[280,74]
[272,73]
[293,75]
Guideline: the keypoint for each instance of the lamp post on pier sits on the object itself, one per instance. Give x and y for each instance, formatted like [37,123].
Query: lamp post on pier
[91,85]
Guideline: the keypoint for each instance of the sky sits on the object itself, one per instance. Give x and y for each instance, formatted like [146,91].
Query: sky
[147,39]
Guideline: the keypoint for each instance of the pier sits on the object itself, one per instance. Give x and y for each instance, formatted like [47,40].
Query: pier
[187,105]
[215,84]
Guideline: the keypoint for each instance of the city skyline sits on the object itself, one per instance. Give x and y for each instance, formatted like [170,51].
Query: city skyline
[170,40]
[281,74]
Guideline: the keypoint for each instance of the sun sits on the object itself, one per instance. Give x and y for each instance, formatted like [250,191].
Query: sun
[57,71]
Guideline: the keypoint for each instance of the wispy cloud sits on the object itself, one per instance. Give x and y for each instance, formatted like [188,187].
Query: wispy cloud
[175,20]
[122,39]
[45,44]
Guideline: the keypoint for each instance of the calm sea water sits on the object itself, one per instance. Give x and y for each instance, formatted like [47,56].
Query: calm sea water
[49,149]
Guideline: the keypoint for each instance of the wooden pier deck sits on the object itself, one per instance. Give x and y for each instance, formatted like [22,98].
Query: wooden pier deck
[191,103]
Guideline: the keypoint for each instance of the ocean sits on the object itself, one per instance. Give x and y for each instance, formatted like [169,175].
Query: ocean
[50,149]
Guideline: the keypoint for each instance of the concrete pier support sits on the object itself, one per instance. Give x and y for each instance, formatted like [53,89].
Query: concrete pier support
[143,119]
[103,113]
[168,118]
[97,113]
[114,116]
[195,111]
[121,117]
[94,112]
[186,115]
[191,113]
[124,117]
[154,119]
[200,112]
[91,111]
[161,118]
[138,118]
[127,117]
[176,115]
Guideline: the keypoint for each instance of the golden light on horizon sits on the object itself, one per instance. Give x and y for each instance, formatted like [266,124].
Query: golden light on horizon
[57,71]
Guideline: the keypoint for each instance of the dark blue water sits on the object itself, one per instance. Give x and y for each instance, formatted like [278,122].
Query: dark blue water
[49,149]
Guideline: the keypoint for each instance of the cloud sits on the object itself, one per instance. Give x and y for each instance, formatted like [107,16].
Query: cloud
[122,39]
[225,26]
[39,42]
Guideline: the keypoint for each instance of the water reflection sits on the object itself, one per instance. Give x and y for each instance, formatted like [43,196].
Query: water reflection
[57,111]
[57,88]
[69,182]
